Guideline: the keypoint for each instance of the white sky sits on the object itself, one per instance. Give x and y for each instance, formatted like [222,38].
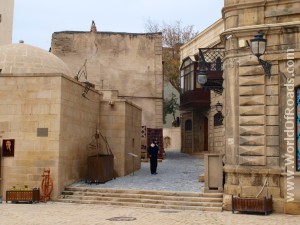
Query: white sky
[36,20]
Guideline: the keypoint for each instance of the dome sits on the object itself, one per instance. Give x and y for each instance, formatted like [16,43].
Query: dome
[22,58]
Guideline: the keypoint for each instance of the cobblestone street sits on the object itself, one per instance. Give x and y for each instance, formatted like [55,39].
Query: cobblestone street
[177,172]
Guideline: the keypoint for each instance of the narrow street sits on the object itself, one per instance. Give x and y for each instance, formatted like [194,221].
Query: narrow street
[177,172]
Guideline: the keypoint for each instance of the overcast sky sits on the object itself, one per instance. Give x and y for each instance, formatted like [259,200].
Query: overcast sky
[36,20]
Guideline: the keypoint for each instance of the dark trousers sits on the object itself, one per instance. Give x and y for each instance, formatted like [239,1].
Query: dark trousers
[153,164]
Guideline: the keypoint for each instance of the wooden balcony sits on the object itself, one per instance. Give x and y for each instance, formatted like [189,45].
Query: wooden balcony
[196,99]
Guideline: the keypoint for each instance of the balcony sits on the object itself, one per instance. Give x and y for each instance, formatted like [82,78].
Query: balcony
[195,99]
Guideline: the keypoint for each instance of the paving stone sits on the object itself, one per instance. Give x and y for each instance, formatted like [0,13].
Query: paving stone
[54,213]
[177,172]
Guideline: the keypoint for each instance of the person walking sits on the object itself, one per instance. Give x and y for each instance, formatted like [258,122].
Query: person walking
[153,153]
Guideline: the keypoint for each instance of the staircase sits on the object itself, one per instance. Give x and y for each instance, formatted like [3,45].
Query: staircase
[144,198]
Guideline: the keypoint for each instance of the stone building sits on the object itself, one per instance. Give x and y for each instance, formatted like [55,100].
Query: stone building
[260,134]
[127,62]
[51,120]
[52,111]
[198,133]
[257,106]
[6,21]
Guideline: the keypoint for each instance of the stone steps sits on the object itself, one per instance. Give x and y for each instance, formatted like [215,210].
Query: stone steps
[144,198]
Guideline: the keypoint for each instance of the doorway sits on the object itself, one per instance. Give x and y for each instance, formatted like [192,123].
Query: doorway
[205,120]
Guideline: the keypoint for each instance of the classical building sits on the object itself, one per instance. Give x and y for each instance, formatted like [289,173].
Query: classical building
[259,137]
[53,121]
[6,21]
[258,107]
[199,133]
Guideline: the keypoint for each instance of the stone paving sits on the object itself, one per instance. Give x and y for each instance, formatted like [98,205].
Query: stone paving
[54,213]
[178,172]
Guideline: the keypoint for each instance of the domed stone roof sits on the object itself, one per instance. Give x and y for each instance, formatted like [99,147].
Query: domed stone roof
[22,58]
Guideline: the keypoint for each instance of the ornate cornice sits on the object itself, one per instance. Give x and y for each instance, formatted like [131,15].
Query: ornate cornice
[250,30]
[255,4]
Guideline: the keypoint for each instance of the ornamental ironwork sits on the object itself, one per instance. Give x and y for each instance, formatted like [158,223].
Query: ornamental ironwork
[211,58]
[210,65]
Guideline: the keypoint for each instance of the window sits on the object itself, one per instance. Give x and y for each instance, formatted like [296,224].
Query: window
[298,128]
[188,125]
[218,119]
[187,73]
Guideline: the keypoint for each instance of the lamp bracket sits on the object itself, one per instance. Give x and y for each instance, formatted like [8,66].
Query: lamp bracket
[266,66]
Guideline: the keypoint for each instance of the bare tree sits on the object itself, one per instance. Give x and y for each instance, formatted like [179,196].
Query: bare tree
[173,37]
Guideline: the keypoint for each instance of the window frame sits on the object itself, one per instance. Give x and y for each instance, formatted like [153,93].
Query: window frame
[188,72]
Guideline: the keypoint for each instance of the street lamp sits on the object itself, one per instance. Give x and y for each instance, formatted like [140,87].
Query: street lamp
[258,48]
[218,117]
[202,77]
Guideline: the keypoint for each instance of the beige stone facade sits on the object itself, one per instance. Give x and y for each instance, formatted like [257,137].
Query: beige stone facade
[129,63]
[204,137]
[255,104]
[6,21]
[120,122]
[34,96]
[172,138]
[259,159]
[39,102]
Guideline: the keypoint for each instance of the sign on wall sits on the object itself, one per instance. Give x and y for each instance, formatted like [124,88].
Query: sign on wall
[8,147]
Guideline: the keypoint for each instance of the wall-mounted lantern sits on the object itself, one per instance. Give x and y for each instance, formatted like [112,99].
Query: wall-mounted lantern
[258,48]
[218,117]
[219,107]
[201,77]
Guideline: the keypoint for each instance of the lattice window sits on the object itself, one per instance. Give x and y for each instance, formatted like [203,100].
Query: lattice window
[212,58]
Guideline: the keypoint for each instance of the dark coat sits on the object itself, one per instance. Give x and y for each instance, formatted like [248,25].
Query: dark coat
[153,151]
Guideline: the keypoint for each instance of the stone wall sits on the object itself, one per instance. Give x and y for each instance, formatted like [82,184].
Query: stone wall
[172,138]
[120,123]
[129,63]
[6,21]
[54,103]
[253,101]
[216,134]
[79,119]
